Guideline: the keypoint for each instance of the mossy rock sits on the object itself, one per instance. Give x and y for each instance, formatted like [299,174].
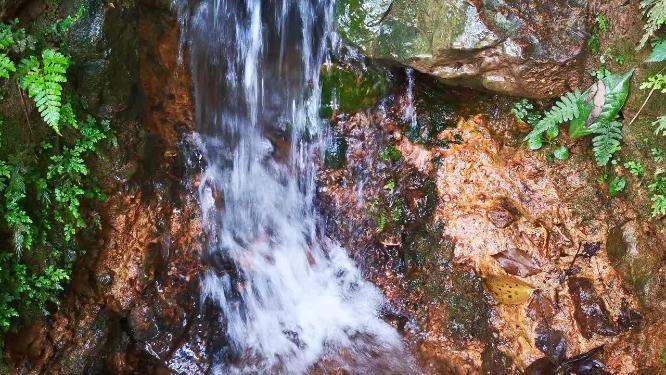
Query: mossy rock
[503,46]
[346,91]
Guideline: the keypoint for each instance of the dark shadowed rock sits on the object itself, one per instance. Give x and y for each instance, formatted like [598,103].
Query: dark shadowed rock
[589,309]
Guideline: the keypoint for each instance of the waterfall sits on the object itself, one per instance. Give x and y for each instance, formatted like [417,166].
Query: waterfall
[409,114]
[289,295]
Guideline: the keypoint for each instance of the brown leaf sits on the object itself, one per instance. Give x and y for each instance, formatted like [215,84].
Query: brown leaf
[596,96]
[508,290]
[517,262]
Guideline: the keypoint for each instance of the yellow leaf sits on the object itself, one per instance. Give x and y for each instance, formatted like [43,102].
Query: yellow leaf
[508,290]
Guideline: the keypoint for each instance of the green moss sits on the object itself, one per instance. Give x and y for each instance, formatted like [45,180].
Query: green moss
[349,92]
[336,153]
[358,21]
[461,291]
[436,111]
[402,29]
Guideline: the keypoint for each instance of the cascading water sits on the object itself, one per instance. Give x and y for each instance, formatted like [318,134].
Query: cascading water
[289,296]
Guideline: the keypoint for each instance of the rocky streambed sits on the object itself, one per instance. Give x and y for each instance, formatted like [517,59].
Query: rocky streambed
[440,225]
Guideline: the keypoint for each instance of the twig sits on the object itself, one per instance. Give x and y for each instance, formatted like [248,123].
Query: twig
[25,108]
[644,103]
[641,108]
[568,273]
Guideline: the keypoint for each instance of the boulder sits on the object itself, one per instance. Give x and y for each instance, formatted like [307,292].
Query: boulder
[521,48]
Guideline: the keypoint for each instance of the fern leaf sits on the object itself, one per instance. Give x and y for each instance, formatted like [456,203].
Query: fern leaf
[660,125]
[607,140]
[655,12]
[565,109]
[6,66]
[6,36]
[44,84]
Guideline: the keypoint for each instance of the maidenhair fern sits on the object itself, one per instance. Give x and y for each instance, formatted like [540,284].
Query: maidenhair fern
[43,81]
[565,109]
[655,12]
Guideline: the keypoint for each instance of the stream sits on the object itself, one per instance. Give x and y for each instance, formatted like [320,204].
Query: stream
[290,296]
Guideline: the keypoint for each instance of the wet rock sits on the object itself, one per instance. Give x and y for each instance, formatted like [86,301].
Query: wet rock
[164,77]
[346,91]
[501,217]
[542,366]
[421,278]
[629,318]
[512,47]
[590,249]
[133,305]
[29,343]
[552,343]
[638,256]
[589,309]
[637,351]
[495,362]
[585,364]
[548,340]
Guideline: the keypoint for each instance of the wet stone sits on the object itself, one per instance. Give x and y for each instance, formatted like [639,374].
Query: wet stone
[589,309]
[500,217]
[629,318]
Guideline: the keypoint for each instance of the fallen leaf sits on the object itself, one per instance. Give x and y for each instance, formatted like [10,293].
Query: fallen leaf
[508,290]
[517,262]
[597,97]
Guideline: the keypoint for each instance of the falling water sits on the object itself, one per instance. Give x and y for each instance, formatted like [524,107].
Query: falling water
[409,114]
[289,295]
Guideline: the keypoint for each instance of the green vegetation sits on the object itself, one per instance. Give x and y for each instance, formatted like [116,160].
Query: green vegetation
[390,153]
[655,13]
[658,190]
[347,92]
[45,173]
[601,26]
[616,186]
[336,153]
[523,111]
[635,168]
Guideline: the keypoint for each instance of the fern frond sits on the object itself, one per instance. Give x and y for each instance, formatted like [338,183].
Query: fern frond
[655,12]
[6,66]
[607,140]
[44,84]
[660,125]
[565,109]
[6,36]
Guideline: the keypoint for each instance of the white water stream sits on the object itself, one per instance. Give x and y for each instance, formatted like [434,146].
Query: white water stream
[290,296]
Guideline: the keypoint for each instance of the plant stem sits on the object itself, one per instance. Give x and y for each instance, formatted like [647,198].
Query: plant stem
[644,103]
[641,108]
[25,108]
